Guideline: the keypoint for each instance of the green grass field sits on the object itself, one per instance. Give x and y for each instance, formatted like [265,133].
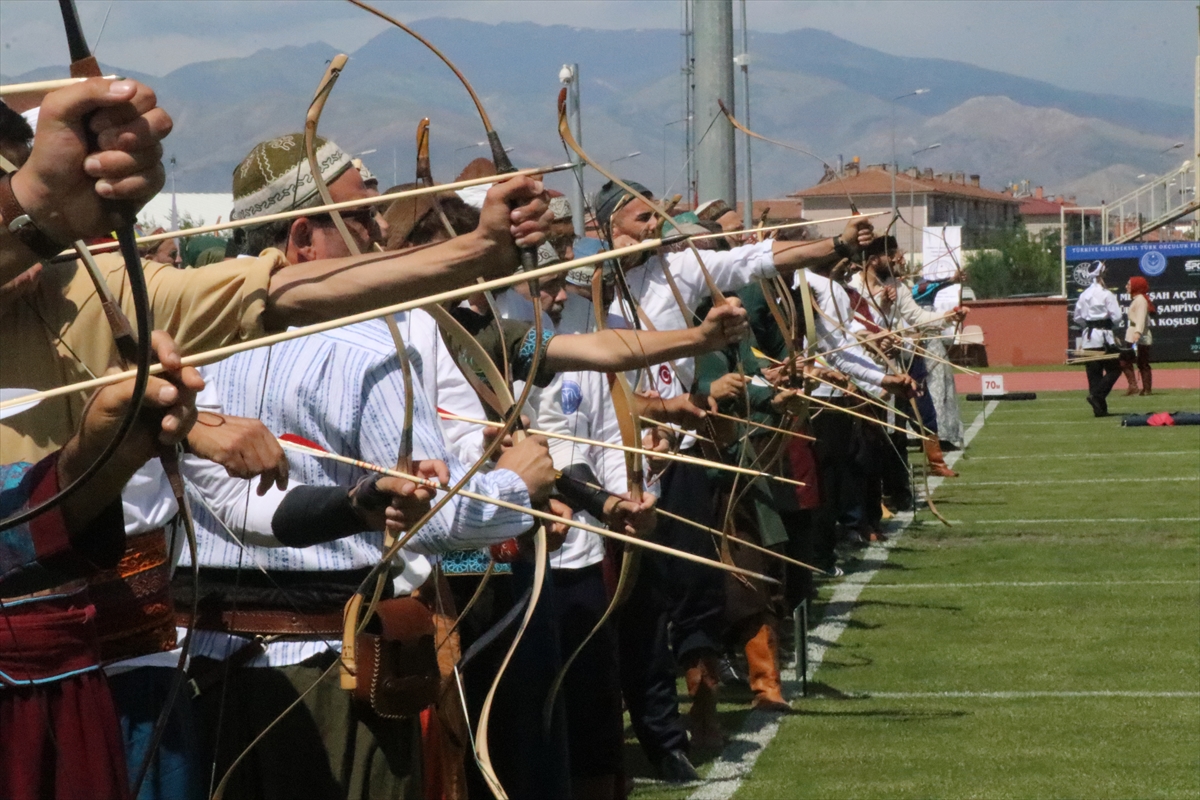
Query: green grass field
[1047,645]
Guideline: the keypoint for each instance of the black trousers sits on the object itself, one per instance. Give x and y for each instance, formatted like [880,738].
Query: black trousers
[841,492]
[675,611]
[897,480]
[591,690]
[530,761]
[873,457]
[1102,375]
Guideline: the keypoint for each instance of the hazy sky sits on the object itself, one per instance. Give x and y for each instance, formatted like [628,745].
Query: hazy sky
[1141,49]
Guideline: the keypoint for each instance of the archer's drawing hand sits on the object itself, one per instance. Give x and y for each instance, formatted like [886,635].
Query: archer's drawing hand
[657,440]
[556,532]
[685,410]
[729,386]
[788,401]
[899,385]
[490,433]
[243,446]
[406,501]
[633,517]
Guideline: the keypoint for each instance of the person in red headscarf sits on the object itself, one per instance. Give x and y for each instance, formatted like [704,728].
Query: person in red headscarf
[1138,333]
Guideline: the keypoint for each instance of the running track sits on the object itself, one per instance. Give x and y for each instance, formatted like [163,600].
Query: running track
[1072,379]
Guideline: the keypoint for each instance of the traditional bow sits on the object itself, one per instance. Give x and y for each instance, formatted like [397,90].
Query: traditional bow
[84,65]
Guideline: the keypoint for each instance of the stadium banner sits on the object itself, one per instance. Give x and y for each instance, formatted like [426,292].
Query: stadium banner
[1173,271]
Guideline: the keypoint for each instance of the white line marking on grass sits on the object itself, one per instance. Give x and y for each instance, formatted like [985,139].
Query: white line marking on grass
[1117,454]
[1076,519]
[1192,478]
[1027,584]
[760,727]
[1011,695]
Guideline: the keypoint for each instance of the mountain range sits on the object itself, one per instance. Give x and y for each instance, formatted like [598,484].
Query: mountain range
[809,87]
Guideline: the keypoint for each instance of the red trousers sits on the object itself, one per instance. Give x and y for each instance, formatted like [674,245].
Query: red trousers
[60,733]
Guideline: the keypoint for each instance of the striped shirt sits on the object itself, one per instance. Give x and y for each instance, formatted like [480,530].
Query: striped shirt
[344,390]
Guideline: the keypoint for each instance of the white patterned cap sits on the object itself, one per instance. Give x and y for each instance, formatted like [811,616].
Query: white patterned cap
[275,176]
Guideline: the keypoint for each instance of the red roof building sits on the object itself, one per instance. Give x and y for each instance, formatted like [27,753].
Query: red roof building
[923,199]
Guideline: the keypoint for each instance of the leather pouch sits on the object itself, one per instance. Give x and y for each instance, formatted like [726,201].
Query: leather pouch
[396,660]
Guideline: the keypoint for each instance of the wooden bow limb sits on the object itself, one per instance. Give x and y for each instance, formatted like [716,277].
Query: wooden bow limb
[631,436]
[210,356]
[916,420]
[131,349]
[541,515]
[701,462]
[564,132]
[714,291]
[752,424]
[345,205]
[734,122]
[356,617]
[40,87]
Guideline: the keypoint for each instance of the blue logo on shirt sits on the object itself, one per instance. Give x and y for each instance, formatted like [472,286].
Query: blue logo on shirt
[572,396]
[1152,263]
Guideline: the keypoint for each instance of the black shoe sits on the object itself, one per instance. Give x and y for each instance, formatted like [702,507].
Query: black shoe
[1099,408]
[728,675]
[674,767]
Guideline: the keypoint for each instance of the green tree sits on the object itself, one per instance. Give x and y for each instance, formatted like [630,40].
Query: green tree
[1012,263]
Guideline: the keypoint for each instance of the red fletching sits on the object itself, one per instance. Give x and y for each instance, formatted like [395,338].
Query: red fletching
[300,440]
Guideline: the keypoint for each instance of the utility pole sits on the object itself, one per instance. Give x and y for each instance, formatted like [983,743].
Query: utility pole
[689,99]
[715,159]
[744,62]
[569,75]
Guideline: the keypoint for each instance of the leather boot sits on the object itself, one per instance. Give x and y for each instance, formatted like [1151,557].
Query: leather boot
[937,461]
[1130,378]
[702,718]
[762,656]
[1146,380]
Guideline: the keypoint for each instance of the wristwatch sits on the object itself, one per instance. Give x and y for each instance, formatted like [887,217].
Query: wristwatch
[21,225]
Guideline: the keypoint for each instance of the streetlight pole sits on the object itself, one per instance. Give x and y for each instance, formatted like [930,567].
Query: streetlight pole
[634,154]
[743,61]
[895,166]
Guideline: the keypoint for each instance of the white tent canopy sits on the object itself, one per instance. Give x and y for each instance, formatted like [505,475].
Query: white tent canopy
[200,208]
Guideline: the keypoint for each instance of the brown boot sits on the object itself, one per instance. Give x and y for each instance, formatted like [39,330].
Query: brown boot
[702,718]
[1146,380]
[762,657]
[1130,378]
[937,461]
